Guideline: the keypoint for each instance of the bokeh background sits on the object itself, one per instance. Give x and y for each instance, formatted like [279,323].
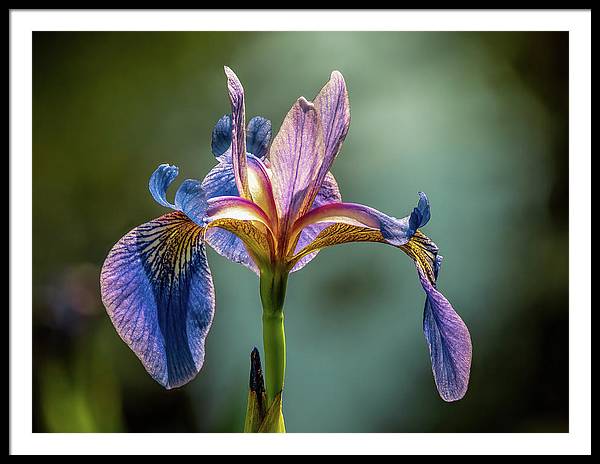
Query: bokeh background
[479,121]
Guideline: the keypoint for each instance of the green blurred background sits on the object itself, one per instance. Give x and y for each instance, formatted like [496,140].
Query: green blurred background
[479,121]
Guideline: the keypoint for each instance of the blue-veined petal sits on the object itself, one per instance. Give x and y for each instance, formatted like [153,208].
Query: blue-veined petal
[421,213]
[448,340]
[190,198]
[158,291]
[258,136]
[221,136]
[220,180]
[160,180]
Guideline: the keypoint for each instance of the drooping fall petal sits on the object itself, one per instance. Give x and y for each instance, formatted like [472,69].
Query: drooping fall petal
[447,336]
[190,198]
[449,343]
[158,291]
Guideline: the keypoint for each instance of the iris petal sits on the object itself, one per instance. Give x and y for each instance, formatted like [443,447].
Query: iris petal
[221,136]
[337,234]
[449,343]
[395,231]
[329,193]
[446,334]
[160,180]
[236,208]
[191,200]
[333,106]
[238,132]
[247,221]
[255,239]
[230,246]
[219,182]
[158,291]
[296,155]
[258,136]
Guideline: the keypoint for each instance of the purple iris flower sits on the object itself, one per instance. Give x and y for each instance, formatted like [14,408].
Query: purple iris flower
[270,207]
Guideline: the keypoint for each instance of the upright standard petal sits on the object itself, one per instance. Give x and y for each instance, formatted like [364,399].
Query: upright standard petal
[238,132]
[296,156]
[333,106]
[158,291]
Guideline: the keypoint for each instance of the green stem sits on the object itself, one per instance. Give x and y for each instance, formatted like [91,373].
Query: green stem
[272,293]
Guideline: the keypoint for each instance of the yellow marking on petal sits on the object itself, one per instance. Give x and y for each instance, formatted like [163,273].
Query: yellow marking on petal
[337,234]
[418,247]
[256,241]
[262,193]
[241,212]
[165,242]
